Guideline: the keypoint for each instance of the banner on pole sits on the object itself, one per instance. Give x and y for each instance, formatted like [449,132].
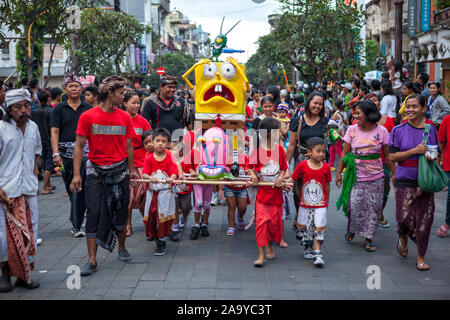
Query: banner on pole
[412,17]
[426,15]
[132,58]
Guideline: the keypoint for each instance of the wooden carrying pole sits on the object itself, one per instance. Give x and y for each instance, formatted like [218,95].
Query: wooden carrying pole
[210,182]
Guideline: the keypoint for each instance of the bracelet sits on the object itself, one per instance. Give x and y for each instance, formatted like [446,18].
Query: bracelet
[55,155]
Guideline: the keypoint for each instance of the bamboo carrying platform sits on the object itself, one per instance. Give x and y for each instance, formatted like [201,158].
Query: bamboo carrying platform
[211,182]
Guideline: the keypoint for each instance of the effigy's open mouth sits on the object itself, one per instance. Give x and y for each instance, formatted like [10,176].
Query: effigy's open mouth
[219,90]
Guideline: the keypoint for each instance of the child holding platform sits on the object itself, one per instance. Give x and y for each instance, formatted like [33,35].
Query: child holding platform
[268,164]
[311,219]
[160,202]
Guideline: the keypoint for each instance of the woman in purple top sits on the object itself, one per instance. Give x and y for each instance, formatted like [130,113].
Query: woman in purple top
[414,207]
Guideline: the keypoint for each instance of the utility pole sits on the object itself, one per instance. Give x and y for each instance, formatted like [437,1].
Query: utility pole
[117,5]
[398,29]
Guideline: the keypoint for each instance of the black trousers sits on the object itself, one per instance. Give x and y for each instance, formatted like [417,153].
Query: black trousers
[77,200]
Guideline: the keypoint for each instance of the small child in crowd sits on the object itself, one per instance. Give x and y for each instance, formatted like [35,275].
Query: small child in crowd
[311,220]
[160,201]
[268,164]
[183,192]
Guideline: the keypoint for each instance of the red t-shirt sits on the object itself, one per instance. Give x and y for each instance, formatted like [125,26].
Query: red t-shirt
[270,164]
[107,134]
[166,167]
[243,164]
[140,125]
[194,160]
[313,193]
[444,131]
[389,125]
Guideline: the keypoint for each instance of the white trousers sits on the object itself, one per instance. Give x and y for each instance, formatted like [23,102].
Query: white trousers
[33,204]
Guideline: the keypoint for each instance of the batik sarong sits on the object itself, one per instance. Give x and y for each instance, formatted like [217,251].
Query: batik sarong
[20,236]
[365,207]
[137,194]
[414,211]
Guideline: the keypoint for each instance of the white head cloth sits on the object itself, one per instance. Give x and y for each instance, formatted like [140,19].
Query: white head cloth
[17,95]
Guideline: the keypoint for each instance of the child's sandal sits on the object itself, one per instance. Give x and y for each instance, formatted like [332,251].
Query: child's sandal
[442,231]
[231,231]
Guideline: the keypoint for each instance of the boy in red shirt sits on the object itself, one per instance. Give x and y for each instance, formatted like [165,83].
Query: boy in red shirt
[311,220]
[109,168]
[160,202]
[268,164]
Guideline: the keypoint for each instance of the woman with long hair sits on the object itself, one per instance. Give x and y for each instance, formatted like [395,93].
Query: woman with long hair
[437,104]
[389,101]
[414,207]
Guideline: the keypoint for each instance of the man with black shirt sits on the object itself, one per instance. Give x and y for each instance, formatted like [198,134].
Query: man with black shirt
[64,122]
[167,110]
[41,116]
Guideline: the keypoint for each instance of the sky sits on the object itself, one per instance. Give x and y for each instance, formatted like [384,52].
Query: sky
[209,13]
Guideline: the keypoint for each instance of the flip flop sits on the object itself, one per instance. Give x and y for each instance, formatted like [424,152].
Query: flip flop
[48,192]
[349,236]
[442,231]
[283,244]
[258,264]
[405,250]
[369,246]
[420,265]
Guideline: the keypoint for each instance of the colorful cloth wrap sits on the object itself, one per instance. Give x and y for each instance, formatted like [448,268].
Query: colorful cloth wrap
[283,106]
[71,77]
[350,178]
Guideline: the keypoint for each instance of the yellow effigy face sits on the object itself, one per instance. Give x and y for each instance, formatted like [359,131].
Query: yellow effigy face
[219,88]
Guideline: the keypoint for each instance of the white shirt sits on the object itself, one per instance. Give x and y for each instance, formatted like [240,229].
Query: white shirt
[17,154]
[387,106]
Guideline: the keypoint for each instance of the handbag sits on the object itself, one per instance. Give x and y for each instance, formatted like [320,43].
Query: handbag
[431,177]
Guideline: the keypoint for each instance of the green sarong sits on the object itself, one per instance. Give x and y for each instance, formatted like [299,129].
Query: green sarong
[350,178]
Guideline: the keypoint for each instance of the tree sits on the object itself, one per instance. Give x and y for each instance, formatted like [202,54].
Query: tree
[35,18]
[175,64]
[372,53]
[318,38]
[103,40]
[262,74]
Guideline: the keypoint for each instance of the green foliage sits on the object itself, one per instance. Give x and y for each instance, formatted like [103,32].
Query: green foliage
[317,38]
[261,74]
[45,16]
[103,41]
[372,53]
[36,62]
[175,64]
[442,4]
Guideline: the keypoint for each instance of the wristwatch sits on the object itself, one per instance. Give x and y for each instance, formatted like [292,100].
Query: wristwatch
[55,155]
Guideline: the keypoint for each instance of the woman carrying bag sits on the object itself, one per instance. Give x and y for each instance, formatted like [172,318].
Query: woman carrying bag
[414,206]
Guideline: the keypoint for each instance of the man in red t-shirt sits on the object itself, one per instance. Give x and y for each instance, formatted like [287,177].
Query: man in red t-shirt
[109,168]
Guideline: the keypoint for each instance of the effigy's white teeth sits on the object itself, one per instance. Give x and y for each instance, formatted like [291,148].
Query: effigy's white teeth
[220,88]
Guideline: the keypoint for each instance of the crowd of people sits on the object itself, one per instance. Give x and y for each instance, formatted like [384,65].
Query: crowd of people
[103,139]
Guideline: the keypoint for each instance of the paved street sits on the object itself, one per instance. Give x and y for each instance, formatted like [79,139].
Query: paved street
[220,267]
